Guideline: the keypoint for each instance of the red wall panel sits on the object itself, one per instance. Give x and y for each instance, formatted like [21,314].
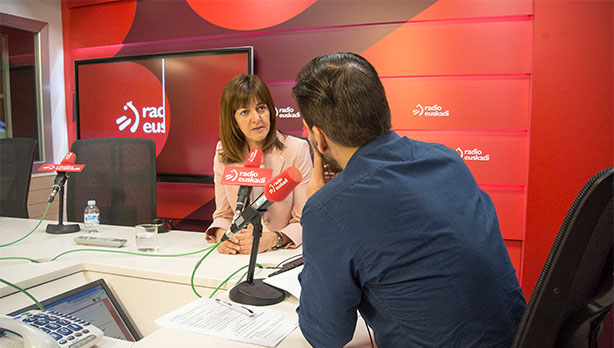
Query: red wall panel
[446,9]
[480,46]
[494,158]
[464,102]
[572,121]
[105,23]
[288,115]
[479,102]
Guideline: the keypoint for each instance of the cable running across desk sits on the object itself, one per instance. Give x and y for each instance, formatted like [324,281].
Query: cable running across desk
[34,229]
[209,249]
[288,266]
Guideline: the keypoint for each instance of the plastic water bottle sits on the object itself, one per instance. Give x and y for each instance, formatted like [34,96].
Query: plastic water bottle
[91,217]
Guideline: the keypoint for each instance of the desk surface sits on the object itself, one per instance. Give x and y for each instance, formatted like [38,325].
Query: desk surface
[43,247]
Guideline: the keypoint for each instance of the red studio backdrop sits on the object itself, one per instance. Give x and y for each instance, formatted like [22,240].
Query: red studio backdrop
[460,80]
[455,72]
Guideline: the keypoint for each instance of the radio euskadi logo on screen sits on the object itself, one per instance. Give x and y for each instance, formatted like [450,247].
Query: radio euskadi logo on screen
[153,119]
[430,111]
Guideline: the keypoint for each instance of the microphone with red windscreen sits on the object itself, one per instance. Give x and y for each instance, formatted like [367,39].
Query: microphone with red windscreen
[66,166]
[275,190]
[63,169]
[70,158]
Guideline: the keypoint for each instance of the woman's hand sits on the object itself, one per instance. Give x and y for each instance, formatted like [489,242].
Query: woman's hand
[229,246]
[241,242]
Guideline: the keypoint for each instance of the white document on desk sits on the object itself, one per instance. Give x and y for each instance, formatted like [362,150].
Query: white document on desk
[288,281]
[208,317]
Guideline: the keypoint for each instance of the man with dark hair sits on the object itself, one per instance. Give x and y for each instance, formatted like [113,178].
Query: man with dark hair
[402,234]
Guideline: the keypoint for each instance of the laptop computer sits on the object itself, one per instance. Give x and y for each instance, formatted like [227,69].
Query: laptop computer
[95,303]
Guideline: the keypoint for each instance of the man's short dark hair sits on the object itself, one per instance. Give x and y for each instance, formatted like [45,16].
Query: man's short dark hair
[342,94]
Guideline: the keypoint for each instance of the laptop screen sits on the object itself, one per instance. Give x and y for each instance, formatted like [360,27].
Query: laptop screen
[95,303]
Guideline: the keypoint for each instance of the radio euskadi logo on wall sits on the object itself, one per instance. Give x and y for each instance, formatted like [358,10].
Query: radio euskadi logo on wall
[430,111]
[150,119]
[287,112]
[473,155]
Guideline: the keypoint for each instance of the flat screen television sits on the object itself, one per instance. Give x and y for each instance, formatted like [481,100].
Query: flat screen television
[171,98]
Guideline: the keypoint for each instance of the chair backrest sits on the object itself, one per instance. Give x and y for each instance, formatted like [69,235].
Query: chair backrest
[574,291]
[16,157]
[120,174]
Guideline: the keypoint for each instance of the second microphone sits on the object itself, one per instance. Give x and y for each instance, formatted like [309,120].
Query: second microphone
[275,190]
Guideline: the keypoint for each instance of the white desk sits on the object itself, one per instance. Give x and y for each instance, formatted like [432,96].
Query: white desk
[147,287]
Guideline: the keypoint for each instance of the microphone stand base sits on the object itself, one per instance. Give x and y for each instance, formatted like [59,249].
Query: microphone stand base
[257,293]
[62,229]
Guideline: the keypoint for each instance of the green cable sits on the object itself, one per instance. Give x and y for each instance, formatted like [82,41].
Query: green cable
[107,251]
[230,276]
[132,253]
[211,248]
[244,274]
[40,306]
[227,279]
[197,265]
[24,237]
[19,258]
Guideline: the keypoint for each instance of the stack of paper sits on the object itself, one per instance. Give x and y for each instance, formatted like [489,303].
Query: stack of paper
[267,327]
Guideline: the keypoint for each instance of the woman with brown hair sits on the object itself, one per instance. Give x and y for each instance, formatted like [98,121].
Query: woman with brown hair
[247,121]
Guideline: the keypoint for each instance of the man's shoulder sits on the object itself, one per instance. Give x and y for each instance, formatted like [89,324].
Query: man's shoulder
[402,156]
[419,153]
[325,196]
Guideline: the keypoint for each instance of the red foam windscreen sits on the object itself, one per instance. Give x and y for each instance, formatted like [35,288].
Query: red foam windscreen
[70,158]
[253,158]
[278,188]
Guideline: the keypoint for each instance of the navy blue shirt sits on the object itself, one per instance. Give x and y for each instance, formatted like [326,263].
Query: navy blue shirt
[405,236]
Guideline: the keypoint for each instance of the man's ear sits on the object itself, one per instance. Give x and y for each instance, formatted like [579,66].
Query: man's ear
[321,141]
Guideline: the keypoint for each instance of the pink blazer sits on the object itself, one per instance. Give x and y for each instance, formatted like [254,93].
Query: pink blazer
[282,216]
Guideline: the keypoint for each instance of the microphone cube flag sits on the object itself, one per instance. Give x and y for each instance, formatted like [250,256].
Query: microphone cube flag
[67,165]
[278,188]
[240,176]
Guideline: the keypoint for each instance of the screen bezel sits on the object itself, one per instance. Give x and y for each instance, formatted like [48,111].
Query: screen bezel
[161,177]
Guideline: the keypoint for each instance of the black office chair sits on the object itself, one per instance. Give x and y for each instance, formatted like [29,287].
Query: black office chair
[120,174]
[16,156]
[574,292]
